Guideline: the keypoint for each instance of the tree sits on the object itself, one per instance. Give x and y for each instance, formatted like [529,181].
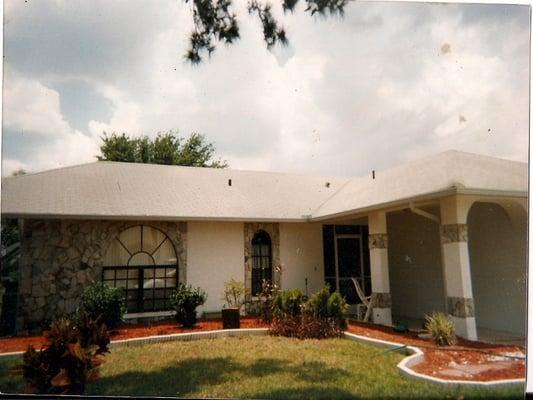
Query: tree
[215,22]
[9,270]
[18,172]
[167,148]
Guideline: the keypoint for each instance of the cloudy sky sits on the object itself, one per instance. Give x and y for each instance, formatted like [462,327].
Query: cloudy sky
[388,83]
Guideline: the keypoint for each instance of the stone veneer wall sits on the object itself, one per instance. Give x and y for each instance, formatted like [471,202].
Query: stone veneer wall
[61,257]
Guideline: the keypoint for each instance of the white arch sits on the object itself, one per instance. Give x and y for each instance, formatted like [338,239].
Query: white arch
[497,251]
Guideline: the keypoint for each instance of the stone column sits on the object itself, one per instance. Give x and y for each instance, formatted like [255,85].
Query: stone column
[379,268]
[456,263]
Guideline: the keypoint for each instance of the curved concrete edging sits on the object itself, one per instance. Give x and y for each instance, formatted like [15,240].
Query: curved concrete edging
[191,336]
[416,356]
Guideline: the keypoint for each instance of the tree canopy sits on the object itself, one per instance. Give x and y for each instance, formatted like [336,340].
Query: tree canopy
[167,148]
[214,21]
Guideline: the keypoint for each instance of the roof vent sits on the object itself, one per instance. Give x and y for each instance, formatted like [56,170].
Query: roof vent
[229,182]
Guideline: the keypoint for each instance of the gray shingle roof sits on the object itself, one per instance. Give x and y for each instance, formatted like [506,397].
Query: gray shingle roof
[127,190]
[112,190]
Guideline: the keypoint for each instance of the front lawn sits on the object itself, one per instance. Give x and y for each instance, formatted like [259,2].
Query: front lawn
[260,367]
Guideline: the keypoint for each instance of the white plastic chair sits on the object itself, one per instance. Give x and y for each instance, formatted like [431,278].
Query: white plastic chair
[366,301]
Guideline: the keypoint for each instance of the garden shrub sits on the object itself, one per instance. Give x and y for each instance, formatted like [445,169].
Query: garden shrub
[441,329]
[328,306]
[312,327]
[70,358]
[285,325]
[266,298]
[289,303]
[103,304]
[322,316]
[317,304]
[336,309]
[185,300]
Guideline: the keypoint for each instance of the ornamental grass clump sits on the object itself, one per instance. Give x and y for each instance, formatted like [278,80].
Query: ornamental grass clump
[69,360]
[441,329]
[185,299]
[103,304]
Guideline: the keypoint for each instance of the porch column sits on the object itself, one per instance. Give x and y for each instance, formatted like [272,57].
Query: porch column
[456,263]
[379,268]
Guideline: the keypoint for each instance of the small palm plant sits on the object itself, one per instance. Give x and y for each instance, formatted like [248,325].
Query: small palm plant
[234,293]
[441,329]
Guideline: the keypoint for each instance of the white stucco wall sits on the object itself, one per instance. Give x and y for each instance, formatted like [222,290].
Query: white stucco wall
[301,254]
[215,254]
[415,267]
[497,246]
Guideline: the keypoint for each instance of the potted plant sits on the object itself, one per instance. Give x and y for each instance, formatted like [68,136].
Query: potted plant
[185,299]
[234,294]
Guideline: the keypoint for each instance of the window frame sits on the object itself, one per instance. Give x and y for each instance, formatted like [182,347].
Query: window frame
[138,302]
[265,273]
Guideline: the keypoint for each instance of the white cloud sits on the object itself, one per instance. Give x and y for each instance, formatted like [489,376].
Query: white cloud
[349,95]
[126,114]
[31,106]
[32,111]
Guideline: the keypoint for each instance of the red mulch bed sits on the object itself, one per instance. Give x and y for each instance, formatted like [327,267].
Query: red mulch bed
[438,359]
[21,343]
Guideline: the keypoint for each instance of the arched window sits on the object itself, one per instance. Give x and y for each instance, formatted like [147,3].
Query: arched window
[143,261]
[261,260]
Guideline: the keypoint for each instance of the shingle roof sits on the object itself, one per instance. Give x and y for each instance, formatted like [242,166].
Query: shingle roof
[145,191]
[128,190]
[448,171]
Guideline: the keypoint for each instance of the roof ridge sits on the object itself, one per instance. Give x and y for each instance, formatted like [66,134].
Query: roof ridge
[230,169]
[392,168]
[332,195]
[153,165]
[52,170]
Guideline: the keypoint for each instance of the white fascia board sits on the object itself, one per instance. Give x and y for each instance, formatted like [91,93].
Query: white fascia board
[404,202]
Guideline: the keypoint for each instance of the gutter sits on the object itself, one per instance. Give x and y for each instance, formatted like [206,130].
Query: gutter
[400,203]
[148,218]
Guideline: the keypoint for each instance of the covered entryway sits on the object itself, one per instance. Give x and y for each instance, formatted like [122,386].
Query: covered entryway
[497,247]
[415,266]
[346,257]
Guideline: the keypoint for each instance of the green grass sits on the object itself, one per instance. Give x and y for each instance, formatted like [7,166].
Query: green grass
[260,367]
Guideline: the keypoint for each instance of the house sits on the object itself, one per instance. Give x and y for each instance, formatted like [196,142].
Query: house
[446,233]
